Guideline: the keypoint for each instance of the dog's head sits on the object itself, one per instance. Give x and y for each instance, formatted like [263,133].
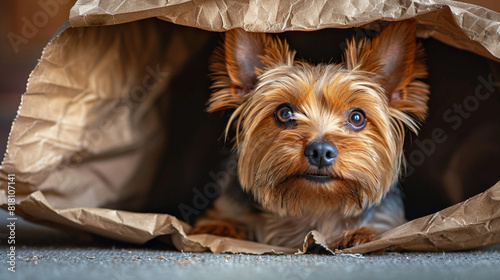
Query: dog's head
[317,138]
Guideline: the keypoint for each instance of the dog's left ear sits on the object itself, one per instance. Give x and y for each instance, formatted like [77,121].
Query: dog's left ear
[397,59]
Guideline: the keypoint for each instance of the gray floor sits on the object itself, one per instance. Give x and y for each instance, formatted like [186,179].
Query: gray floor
[43,253]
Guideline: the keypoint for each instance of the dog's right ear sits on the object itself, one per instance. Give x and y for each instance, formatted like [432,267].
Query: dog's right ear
[236,66]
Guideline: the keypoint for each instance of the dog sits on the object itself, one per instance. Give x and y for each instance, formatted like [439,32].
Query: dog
[319,147]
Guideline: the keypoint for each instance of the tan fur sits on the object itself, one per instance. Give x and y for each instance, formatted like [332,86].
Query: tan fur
[378,76]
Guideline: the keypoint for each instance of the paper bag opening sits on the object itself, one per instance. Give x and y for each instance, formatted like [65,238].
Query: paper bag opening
[113,118]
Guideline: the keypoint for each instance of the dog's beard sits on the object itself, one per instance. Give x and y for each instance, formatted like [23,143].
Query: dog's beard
[283,182]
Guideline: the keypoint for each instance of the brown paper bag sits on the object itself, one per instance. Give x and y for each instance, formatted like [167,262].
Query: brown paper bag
[91,132]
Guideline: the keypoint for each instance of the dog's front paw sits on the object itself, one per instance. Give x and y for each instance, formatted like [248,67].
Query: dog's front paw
[221,229]
[354,237]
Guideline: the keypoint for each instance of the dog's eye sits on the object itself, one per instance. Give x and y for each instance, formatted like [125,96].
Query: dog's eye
[357,118]
[284,114]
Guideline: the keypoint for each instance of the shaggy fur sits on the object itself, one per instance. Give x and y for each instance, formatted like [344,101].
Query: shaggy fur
[274,201]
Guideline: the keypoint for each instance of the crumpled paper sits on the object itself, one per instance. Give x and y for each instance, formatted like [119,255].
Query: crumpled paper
[470,224]
[461,25]
[87,138]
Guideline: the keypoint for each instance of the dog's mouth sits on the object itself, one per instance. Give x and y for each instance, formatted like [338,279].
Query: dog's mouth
[318,178]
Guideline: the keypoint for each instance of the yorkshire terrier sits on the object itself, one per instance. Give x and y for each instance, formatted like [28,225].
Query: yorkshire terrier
[319,147]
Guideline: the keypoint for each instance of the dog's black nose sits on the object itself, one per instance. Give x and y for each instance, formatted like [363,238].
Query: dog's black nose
[321,154]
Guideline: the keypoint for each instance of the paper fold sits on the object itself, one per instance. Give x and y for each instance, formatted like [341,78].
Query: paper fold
[466,225]
[461,25]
